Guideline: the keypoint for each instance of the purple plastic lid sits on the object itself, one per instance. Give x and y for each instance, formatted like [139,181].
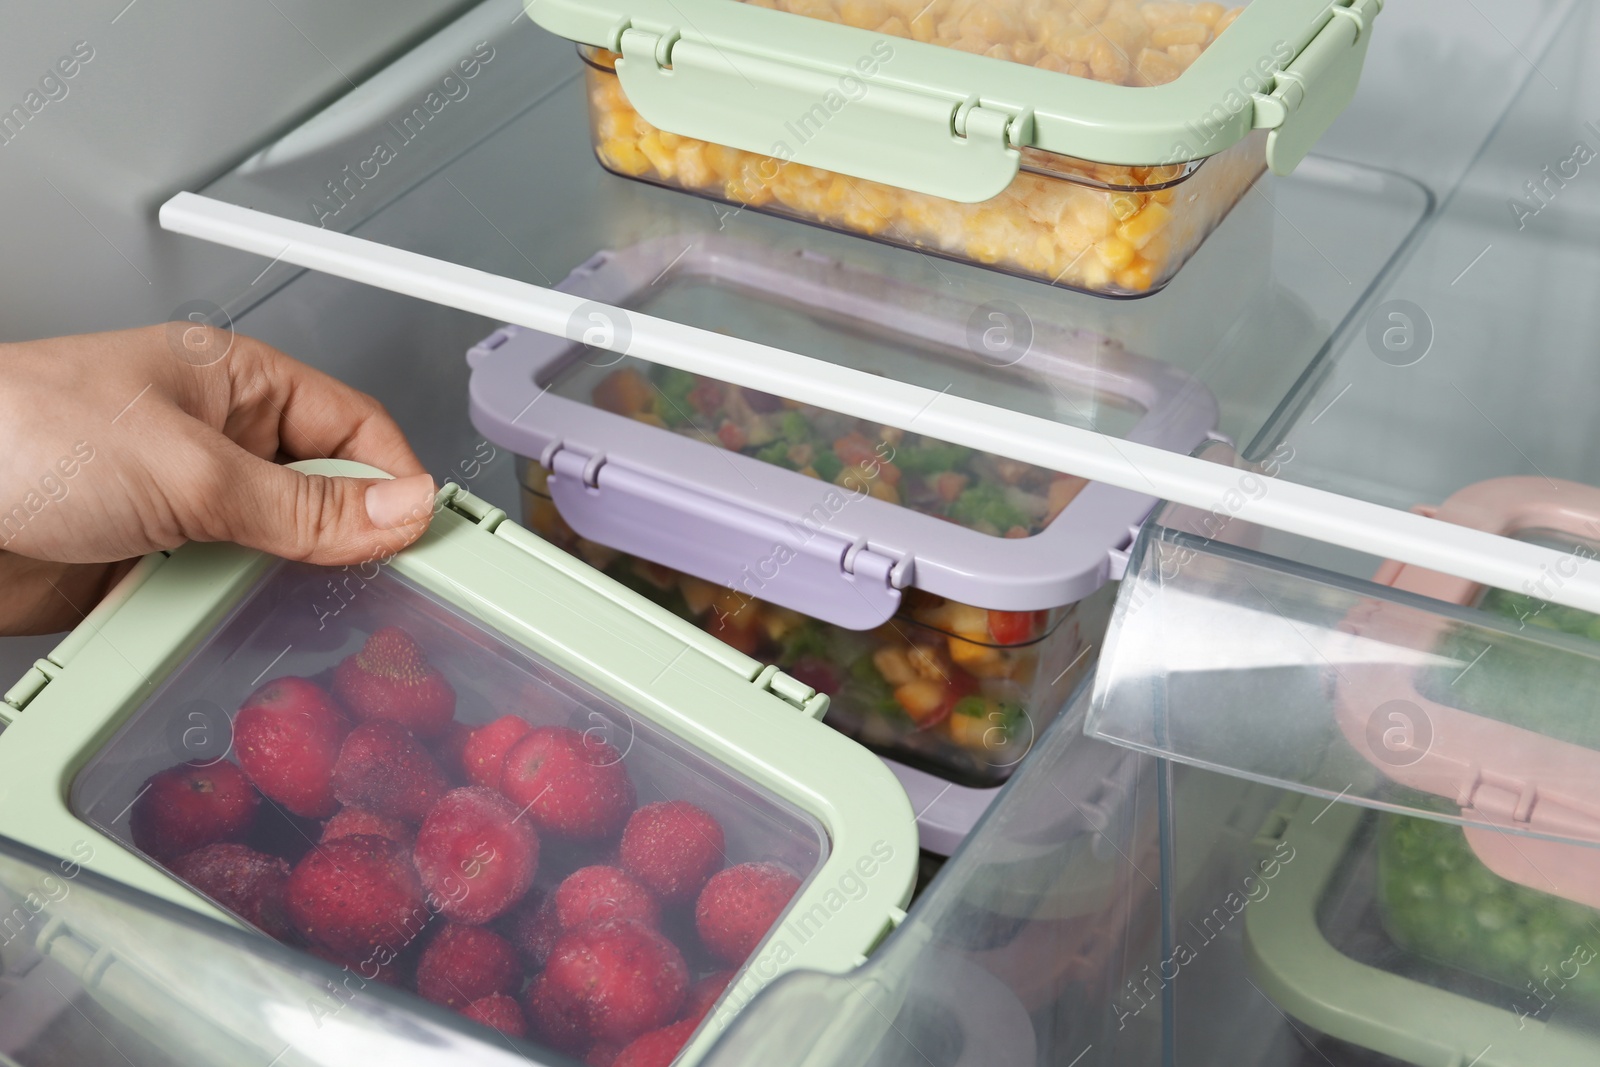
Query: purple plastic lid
[779,535]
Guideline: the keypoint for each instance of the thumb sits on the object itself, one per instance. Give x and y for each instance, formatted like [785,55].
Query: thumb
[313,518]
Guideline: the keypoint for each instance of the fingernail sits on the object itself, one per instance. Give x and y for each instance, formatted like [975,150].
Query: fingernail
[399,502]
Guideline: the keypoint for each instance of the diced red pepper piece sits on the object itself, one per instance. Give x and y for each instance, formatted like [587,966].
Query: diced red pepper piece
[732,436]
[856,448]
[1011,627]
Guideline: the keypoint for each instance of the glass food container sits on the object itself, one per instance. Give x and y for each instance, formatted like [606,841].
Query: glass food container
[470,770]
[945,599]
[1090,145]
[1385,933]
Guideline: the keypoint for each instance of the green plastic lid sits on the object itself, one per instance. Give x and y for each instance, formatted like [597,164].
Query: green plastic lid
[1305,975]
[888,104]
[153,676]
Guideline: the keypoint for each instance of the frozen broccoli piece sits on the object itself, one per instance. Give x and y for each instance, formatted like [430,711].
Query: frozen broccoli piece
[671,402]
[826,464]
[806,639]
[987,503]
[931,457]
[794,428]
[777,452]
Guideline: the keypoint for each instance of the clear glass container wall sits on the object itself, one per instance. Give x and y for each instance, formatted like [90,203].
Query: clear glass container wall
[98,974]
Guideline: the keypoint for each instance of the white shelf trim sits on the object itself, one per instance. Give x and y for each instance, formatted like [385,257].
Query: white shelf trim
[1298,509]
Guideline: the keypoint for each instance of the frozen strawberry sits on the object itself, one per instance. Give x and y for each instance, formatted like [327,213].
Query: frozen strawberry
[246,882]
[593,893]
[618,977]
[602,1054]
[287,736]
[466,963]
[386,771]
[193,804]
[486,749]
[672,847]
[351,821]
[658,1048]
[705,993]
[534,929]
[390,680]
[356,895]
[573,785]
[555,1018]
[499,1011]
[377,965]
[450,748]
[739,905]
[477,854]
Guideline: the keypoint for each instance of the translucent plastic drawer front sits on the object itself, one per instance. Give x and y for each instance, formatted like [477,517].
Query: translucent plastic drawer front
[1231,659]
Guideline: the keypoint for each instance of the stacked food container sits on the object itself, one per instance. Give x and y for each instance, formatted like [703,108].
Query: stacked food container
[1092,145]
[477,770]
[946,600]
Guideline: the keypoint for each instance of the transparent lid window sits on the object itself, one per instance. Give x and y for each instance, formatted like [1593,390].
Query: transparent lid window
[1121,42]
[982,492]
[366,772]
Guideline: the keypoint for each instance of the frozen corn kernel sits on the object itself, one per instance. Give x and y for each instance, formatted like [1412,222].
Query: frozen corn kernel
[925,662]
[690,163]
[975,731]
[1183,55]
[1137,276]
[1156,68]
[1180,33]
[659,155]
[1108,62]
[1114,252]
[891,662]
[616,126]
[921,699]
[863,14]
[624,157]
[1140,229]
[984,661]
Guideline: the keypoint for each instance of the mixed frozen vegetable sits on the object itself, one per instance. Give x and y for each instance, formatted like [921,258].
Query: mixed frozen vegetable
[958,690]
[982,492]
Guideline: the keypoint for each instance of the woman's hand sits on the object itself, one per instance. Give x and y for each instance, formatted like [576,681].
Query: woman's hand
[118,444]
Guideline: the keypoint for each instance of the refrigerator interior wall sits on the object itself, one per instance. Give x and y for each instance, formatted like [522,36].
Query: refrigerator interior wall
[1472,359]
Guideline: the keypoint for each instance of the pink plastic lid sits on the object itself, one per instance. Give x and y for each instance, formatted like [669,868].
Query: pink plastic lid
[1535,786]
